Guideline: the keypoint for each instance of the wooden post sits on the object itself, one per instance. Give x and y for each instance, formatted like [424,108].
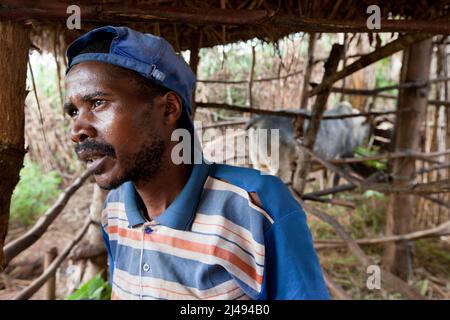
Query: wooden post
[251,77]
[300,122]
[50,285]
[94,235]
[344,63]
[304,163]
[438,136]
[194,60]
[447,111]
[14,45]
[308,71]
[408,124]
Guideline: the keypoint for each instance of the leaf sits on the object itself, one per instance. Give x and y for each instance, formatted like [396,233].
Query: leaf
[94,289]
[424,287]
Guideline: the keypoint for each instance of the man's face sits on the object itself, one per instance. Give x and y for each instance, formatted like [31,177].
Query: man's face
[116,129]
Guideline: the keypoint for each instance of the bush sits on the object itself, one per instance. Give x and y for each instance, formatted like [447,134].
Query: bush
[95,289]
[34,193]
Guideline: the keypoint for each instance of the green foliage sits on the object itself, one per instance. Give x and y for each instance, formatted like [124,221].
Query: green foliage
[362,151]
[95,289]
[34,193]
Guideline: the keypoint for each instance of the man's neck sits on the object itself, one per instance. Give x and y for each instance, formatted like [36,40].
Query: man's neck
[163,188]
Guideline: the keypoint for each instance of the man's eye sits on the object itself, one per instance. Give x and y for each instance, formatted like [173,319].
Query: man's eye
[72,112]
[98,103]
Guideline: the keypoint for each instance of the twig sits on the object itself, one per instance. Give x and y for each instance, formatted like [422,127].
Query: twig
[224,124]
[371,92]
[250,81]
[39,282]
[337,202]
[437,201]
[439,186]
[335,290]
[16,246]
[392,155]
[433,168]
[439,103]
[254,80]
[58,67]
[37,102]
[334,190]
[87,251]
[291,113]
[440,230]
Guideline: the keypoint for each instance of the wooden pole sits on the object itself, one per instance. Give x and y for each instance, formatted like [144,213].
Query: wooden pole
[344,63]
[447,111]
[303,163]
[308,70]
[50,285]
[193,62]
[14,45]
[397,255]
[251,77]
[94,239]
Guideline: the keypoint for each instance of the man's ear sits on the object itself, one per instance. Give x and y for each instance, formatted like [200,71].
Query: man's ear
[172,108]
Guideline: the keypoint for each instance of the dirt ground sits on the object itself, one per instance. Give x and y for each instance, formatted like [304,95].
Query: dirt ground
[28,264]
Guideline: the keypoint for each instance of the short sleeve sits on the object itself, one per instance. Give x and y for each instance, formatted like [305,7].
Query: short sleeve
[293,270]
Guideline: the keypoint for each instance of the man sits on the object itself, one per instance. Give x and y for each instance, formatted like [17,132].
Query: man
[177,231]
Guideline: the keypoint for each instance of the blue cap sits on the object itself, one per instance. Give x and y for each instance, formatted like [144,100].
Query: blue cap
[150,56]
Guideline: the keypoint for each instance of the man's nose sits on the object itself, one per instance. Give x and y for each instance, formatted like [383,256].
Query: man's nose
[82,129]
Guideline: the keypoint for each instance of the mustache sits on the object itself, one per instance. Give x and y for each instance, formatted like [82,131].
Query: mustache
[95,147]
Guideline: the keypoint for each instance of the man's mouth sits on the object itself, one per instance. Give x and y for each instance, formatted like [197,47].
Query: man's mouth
[93,160]
[96,164]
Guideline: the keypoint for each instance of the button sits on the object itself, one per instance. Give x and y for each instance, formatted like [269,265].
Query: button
[146,267]
[148,230]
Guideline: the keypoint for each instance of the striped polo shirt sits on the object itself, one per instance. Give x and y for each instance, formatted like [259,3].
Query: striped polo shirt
[213,241]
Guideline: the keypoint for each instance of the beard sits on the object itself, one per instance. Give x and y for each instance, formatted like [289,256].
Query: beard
[141,166]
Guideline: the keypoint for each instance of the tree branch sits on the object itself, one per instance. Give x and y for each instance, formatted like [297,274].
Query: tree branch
[16,246]
[440,230]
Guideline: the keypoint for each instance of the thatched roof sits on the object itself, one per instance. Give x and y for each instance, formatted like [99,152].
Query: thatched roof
[209,23]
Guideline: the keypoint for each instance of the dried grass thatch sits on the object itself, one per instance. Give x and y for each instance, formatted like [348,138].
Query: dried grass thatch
[187,23]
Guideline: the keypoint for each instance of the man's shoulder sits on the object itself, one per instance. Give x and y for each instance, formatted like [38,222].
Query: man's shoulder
[266,191]
[246,178]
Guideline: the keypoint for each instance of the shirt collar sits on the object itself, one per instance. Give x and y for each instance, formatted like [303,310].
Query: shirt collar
[180,214]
